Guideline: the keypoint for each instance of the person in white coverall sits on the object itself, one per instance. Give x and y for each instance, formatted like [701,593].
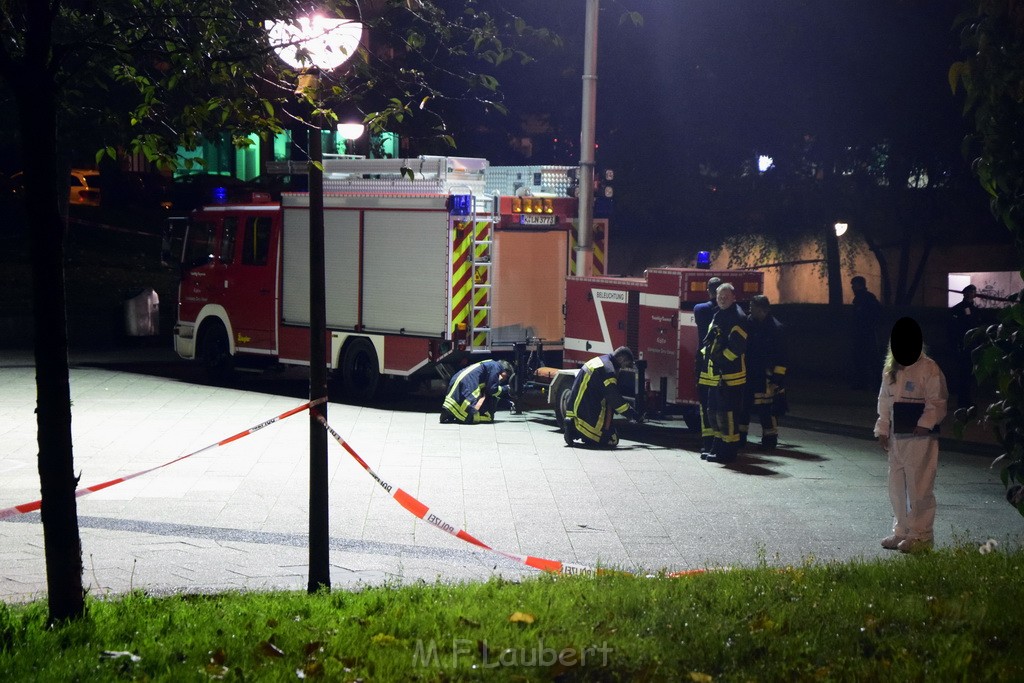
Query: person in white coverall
[911,404]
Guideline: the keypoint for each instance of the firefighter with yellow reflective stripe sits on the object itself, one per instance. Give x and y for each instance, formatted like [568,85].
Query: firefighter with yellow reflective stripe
[474,392]
[766,373]
[725,350]
[595,398]
[703,314]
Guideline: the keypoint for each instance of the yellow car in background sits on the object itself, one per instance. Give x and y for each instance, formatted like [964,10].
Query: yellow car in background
[84,187]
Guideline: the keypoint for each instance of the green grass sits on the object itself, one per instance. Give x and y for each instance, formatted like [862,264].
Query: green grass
[949,615]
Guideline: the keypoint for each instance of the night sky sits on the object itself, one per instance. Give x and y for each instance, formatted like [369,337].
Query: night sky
[715,80]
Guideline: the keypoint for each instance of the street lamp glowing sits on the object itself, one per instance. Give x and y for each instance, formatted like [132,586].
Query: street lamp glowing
[315,41]
[351,131]
[764,163]
[841,229]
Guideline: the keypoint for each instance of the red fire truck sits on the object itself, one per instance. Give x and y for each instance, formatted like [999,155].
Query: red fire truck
[422,272]
[653,316]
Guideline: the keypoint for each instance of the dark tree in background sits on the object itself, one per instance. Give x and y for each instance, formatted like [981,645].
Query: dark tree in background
[145,76]
[992,78]
[32,75]
[68,65]
[821,87]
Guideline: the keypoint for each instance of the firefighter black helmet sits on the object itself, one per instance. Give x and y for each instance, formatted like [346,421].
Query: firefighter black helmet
[623,357]
[507,368]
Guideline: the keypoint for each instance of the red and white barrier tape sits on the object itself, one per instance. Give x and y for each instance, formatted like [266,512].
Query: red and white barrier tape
[404,499]
[423,512]
[35,505]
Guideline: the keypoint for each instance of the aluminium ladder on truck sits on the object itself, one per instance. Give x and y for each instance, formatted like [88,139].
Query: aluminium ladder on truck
[479,332]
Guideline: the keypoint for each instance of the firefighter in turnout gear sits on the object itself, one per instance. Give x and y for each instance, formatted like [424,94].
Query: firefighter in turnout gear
[474,392]
[766,373]
[725,349]
[595,399]
[703,314]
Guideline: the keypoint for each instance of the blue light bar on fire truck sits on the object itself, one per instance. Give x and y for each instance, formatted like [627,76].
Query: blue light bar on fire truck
[460,204]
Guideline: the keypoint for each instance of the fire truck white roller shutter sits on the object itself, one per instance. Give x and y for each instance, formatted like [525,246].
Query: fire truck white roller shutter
[405,281]
[295,266]
[341,261]
[341,266]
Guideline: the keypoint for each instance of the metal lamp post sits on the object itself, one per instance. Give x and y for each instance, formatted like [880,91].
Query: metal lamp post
[584,247]
[316,44]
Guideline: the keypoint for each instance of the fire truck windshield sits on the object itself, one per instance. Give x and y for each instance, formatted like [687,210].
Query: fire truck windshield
[200,244]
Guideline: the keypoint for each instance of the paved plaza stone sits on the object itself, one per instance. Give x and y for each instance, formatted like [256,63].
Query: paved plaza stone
[235,516]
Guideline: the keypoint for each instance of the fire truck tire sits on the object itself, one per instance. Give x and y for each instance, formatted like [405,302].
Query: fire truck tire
[214,353]
[360,371]
[562,406]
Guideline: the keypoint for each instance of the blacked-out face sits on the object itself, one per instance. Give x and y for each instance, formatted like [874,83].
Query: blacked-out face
[906,341]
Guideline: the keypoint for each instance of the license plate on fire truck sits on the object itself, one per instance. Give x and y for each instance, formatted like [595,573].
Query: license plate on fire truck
[534,219]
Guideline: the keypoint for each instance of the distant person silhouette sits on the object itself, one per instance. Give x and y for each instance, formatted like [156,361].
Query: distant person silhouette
[963,317]
[911,404]
[864,334]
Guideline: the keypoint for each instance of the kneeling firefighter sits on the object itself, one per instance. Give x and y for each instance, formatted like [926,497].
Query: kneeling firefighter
[474,392]
[595,399]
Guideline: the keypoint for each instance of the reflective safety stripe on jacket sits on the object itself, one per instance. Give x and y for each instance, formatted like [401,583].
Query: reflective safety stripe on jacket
[726,348]
[469,384]
[708,377]
[594,393]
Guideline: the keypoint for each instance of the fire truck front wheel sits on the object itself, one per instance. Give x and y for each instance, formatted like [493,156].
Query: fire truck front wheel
[360,371]
[214,353]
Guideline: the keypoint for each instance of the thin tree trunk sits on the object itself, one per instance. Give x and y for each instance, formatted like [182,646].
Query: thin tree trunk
[904,269]
[62,543]
[883,267]
[915,282]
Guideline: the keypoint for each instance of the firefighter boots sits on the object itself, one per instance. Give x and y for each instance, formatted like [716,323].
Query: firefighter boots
[570,432]
[722,453]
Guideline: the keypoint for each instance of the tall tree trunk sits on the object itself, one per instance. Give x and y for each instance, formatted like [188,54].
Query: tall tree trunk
[63,547]
[904,269]
[915,282]
[883,267]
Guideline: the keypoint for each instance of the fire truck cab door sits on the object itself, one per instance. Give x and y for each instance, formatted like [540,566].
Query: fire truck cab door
[246,274]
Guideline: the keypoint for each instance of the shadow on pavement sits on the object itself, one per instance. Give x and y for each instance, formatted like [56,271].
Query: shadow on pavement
[795,454]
